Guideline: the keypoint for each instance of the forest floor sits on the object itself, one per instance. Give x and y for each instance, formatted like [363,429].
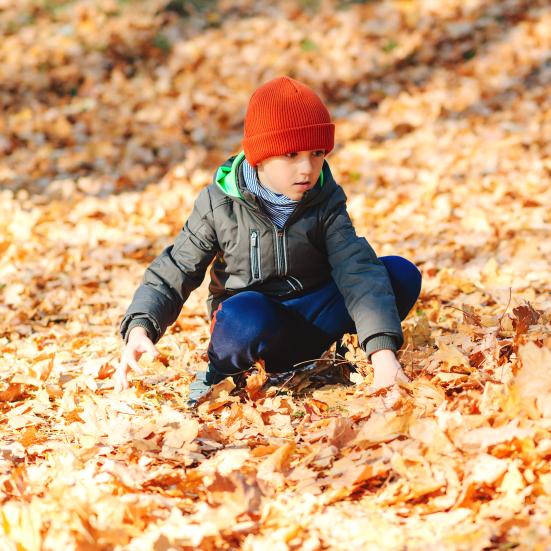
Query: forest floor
[115,115]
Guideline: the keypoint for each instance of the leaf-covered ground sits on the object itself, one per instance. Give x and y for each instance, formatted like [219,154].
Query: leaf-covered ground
[114,115]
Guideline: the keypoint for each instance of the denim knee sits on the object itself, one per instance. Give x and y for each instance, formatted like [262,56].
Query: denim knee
[246,314]
[245,327]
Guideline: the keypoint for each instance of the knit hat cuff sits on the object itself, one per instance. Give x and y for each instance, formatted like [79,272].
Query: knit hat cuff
[279,142]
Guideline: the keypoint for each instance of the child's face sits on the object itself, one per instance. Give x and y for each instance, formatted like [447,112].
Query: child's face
[292,174]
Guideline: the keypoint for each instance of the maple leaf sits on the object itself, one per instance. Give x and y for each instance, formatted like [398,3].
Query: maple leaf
[451,356]
[256,381]
[525,316]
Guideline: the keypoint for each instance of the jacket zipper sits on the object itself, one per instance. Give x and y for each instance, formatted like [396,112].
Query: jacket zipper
[255,255]
[278,251]
[281,260]
[285,269]
[297,285]
[277,240]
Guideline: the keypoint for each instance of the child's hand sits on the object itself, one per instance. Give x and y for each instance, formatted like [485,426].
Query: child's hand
[138,343]
[387,370]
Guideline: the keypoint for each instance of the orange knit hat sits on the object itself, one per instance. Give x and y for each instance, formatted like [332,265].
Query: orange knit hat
[283,116]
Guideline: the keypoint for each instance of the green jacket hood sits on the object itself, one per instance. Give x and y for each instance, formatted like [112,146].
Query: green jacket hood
[226,176]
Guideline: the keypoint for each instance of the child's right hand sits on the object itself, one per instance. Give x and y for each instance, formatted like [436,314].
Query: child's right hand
[138,343]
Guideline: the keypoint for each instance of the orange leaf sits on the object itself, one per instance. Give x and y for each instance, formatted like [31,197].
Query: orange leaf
[13,393]
[105,371]
[256,381]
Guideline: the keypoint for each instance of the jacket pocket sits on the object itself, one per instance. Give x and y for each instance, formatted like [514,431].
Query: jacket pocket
[255,255]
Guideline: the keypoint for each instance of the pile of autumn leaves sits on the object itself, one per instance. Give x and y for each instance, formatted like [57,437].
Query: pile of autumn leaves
[460,455]
[457,459]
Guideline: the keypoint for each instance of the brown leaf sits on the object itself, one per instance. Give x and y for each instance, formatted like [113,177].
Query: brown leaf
[470,316]
[256,381]
[236,495]
[218,396]
[525,316]
[340,431]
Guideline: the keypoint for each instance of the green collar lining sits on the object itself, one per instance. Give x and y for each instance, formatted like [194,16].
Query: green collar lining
[226,177]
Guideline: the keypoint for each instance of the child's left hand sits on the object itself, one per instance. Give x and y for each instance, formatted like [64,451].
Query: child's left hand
[387,370]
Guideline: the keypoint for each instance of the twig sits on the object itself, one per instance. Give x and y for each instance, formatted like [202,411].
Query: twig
[467,314]
[311,361]
[506,308]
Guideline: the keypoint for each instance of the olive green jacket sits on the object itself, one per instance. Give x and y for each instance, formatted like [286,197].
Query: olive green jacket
[228,228]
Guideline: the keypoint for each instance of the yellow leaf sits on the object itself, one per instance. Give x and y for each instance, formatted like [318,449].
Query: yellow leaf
[486,469]
[450,355]
[381,427]
[22,524]
[185,433]
[270,471]
[534,378]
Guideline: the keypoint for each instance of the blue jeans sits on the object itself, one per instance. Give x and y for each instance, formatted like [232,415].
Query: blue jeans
[283,332]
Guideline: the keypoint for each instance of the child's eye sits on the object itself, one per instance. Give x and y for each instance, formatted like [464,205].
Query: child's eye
[317,153]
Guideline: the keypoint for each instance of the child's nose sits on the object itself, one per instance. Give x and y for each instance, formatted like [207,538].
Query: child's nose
[305,166]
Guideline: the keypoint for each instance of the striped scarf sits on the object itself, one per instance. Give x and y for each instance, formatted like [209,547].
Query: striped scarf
[277,206]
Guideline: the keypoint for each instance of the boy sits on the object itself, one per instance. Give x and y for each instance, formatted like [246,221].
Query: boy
[290,276]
